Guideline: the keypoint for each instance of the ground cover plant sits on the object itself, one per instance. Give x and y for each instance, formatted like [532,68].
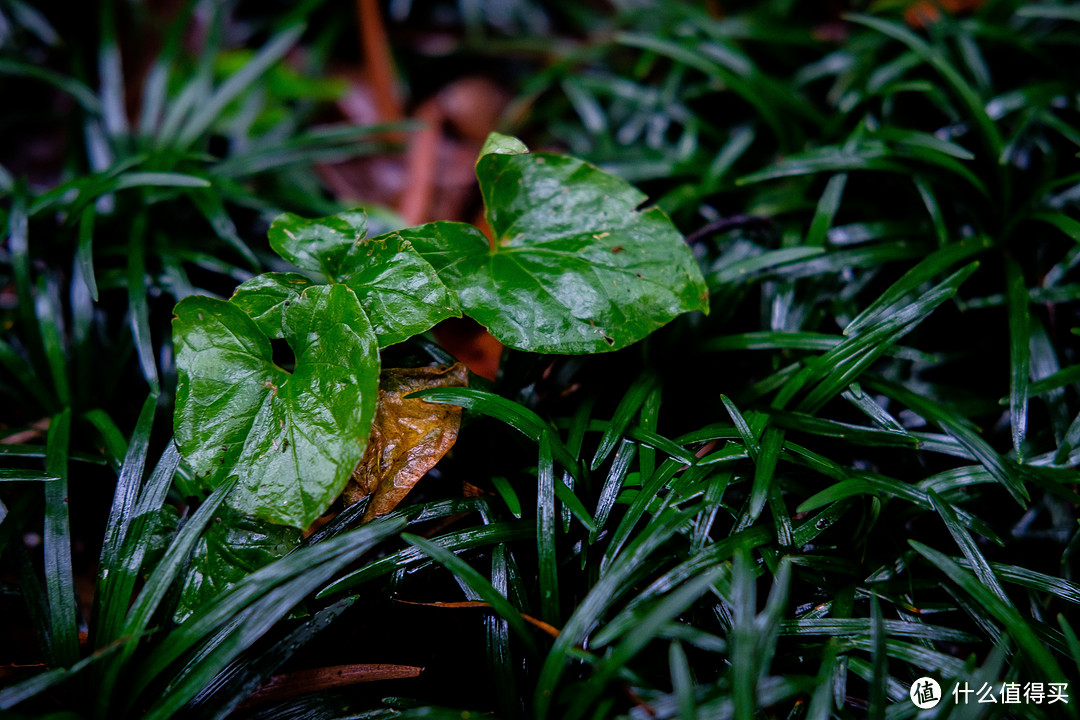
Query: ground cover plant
[856,471]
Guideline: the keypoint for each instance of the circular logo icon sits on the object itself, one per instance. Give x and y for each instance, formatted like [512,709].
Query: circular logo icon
[925,693]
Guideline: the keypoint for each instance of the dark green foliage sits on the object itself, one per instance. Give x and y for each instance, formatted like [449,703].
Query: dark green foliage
[860,469]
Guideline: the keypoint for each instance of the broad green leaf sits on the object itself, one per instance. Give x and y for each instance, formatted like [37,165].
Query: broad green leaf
[293,438]
[399,290]
[232,547]
[574,266]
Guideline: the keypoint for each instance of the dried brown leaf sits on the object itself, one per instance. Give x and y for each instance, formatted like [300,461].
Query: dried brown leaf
[407,438]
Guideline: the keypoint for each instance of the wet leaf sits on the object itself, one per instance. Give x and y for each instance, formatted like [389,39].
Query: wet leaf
[398,289]
[293,438]
[233,546]
[408,436]
[574,266]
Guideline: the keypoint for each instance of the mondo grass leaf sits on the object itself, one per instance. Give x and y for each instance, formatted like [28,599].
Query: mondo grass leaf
[50,324]
[1021,632]
[682,682]
[59,579]
[111,75]
[478,584]
[628,407]
[934,264]
[82,94]
[960,429]
[967,95]
[84,255]
[971,552]
[1019,353]
[867,483]
[841,366]
[646,628]
[231,687]
[513,414]
[19,475]
[613,483]
[25,376]
[140,311]
[1040,582]
[157,585]
[765,468]
[507,493]
[108,609]
[841,627]
[226,628]
[610,587]
[492,534]
[828,206]
[546,534]
[206,113]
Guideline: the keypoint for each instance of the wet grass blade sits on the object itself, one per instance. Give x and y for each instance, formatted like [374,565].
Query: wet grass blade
[503,532]
[207,112]
[1019,353]
[627,408]
[85,253]
[109,609]
[613,483]
[156,587]
[140,311]
[232,623]
[1028,642]
[958,428]
[59,579]
[967,546]
[516,416]
[967,95]
[646,628]
[480,585]
[546,534]
[610,587]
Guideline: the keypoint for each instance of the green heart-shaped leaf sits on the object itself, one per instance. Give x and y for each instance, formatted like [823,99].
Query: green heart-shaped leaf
[400,290]
[574,267]
[294,438]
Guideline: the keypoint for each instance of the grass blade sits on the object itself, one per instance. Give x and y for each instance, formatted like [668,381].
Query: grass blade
[480,585]
[140,311]
[628,406]
[1028,642]
[1019,353]
[546,534]
[204,114]
[109,610]
[59,579]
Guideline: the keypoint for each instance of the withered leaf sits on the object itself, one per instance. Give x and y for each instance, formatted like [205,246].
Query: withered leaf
[407,438]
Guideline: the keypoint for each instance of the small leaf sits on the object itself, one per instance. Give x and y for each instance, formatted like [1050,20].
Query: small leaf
[294,439]
[400,290]
[328,245]
[409,436]
[265,297]
[232,547]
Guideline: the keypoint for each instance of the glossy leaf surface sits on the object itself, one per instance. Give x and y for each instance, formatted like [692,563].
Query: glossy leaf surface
[398,289]
[574,266]
[294,438]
